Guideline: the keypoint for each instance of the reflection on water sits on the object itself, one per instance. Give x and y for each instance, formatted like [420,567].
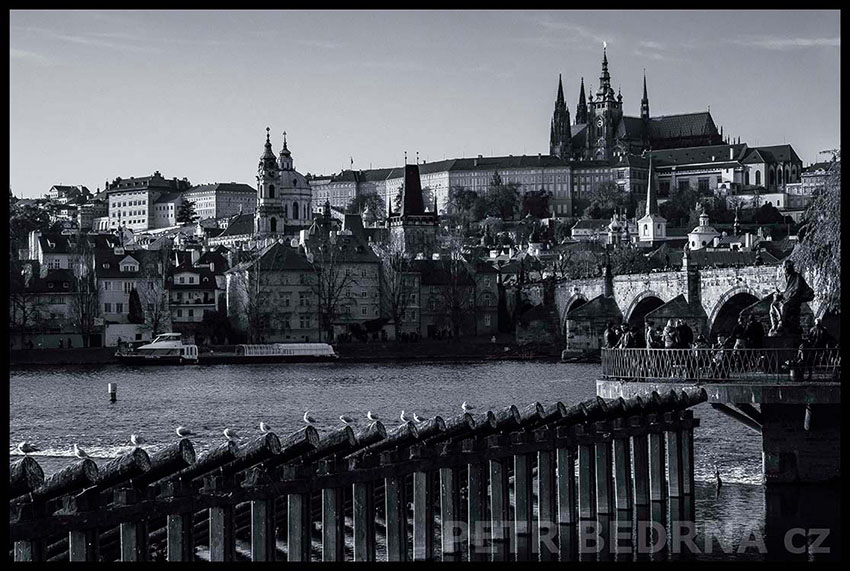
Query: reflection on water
[56,407]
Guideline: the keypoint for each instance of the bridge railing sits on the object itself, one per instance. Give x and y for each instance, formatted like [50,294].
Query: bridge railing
[470,480]
[709,365]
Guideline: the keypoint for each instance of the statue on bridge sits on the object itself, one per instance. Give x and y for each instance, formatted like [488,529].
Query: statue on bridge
[785,309]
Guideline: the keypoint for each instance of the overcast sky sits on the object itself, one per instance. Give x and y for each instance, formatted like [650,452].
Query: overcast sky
[97,95]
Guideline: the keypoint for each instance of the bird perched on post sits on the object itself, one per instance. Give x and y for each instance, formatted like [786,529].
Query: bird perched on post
[402,417]
[419,419]
[264,428]
[309,419]
[466,407]
[230,434]
[79,452]
[136,440]
[26,447]
[345,419]
[184,432]
[372,417]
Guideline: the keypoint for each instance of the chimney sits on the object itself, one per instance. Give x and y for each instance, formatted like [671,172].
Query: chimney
[731,153]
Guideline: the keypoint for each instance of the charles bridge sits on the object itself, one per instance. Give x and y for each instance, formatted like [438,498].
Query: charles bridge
[709,299]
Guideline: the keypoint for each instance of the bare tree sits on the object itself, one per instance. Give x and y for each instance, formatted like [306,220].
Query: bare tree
[332,278]
[457,290]
[153,293]
[396,278]
[27,308]
[85,304]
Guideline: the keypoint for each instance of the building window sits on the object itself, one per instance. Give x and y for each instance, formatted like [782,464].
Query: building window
[107,308]
[295,211]
[487,320]
[119,308]
[271,191]
[758,178]
[179,313]
[363,310]
[191,313]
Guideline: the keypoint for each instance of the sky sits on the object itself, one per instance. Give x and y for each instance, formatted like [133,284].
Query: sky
[96,95]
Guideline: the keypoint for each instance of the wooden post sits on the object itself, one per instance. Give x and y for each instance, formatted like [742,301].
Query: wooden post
[449,513]
[604,477]
[83,545]
[674,455]
[423,517]
[396,510]
[586,481]
[298,527]
[688,453]
[656,462]
[134,534]
[364,521]
[622,467]
[547,500]
[640,447]
[523,501]
[29,550]
[263,535]
[476,492]
[499,506]
[333,530]
[25,475]
[221,524]
[180,544]
[565,457]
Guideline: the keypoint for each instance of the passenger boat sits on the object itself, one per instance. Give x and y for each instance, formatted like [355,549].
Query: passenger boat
[274,353]
[166,349]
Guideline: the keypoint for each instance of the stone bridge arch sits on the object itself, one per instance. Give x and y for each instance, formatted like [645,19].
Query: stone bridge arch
[740,296]
[576,299]
[641,304]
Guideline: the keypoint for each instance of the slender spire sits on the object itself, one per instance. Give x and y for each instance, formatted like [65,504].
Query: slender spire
[560,99]
[651,197]
[644,103]
[605,91]
[284,139]
[581,108]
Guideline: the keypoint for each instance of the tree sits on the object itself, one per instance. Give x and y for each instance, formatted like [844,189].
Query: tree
[136,315]
[85,306]
[461,207]
[818,252]
[361,202]
[186,213]
[215,327]
[629,260]
[606,198]
[536,203]
[332,277]
[768,214]
[25,219]
[456,293]
[153,293]
[27,308]
[678,208]
[502,198]
[397,280]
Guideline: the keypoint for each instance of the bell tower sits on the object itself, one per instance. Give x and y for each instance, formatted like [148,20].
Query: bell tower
[606,112]
[268,218]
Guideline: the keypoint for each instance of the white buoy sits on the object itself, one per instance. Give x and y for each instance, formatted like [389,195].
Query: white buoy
[113,391]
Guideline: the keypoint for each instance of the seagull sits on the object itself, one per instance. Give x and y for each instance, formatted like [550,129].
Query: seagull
[345,419]
[308,419]
[418,419]
[26,447]
[136,440]
[230,434]
[183,432]
[402,417]
[372,417]
[466,407]
[264,428]
[79,452]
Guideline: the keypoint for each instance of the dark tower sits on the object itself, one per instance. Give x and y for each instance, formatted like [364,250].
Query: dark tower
[607,110]
[559,136]
[644,103]
[581,108]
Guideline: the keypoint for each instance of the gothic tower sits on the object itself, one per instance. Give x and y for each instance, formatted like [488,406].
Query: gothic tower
[560,134]
[607,111]
[581,108]
[644,103]
[268,218]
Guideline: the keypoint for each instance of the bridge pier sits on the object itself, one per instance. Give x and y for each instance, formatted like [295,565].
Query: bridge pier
[790,453]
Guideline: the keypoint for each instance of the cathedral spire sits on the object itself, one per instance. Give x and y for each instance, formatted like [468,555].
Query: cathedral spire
[605,91]
[644,103]
[581,108]
[651,196]
[560,135]
[560,100]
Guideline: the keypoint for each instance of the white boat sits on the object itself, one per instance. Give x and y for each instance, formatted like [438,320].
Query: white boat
[165,349]
[274,353]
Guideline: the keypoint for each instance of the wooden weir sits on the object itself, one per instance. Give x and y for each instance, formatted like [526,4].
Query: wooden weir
[512,484]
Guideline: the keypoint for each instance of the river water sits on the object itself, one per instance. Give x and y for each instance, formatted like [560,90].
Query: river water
[55,407]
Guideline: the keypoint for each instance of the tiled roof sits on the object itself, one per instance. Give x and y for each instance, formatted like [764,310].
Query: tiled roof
[223,187]
[683,125]
[281,257]
[690,155]
[599,306]
[813,168]
[779,153]
[144,257]
[240,224]
[591,224]
[55,243]
[438,273]
[168,197]
[630,128]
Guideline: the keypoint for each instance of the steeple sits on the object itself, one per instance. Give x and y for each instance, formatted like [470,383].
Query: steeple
[651,198]
[560,134]
[644,103]
[581,108]
[285,156]
[605,91]
[267,158]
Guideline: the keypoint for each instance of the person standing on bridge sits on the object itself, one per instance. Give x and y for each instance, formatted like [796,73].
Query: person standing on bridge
[610,338]
[754,333]
[685,334]
[670,336]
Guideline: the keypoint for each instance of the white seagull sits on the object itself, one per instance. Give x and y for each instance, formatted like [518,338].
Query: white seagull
[136,440]
[264,428]
[402,417]
[79,452]
[417,418]
[230,434]
[372,417]
[26,447]
[309,419]
[345,419]
[183,432]
[466,407]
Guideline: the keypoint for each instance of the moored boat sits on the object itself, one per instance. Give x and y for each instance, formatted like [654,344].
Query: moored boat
[166,349]
[274,353]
